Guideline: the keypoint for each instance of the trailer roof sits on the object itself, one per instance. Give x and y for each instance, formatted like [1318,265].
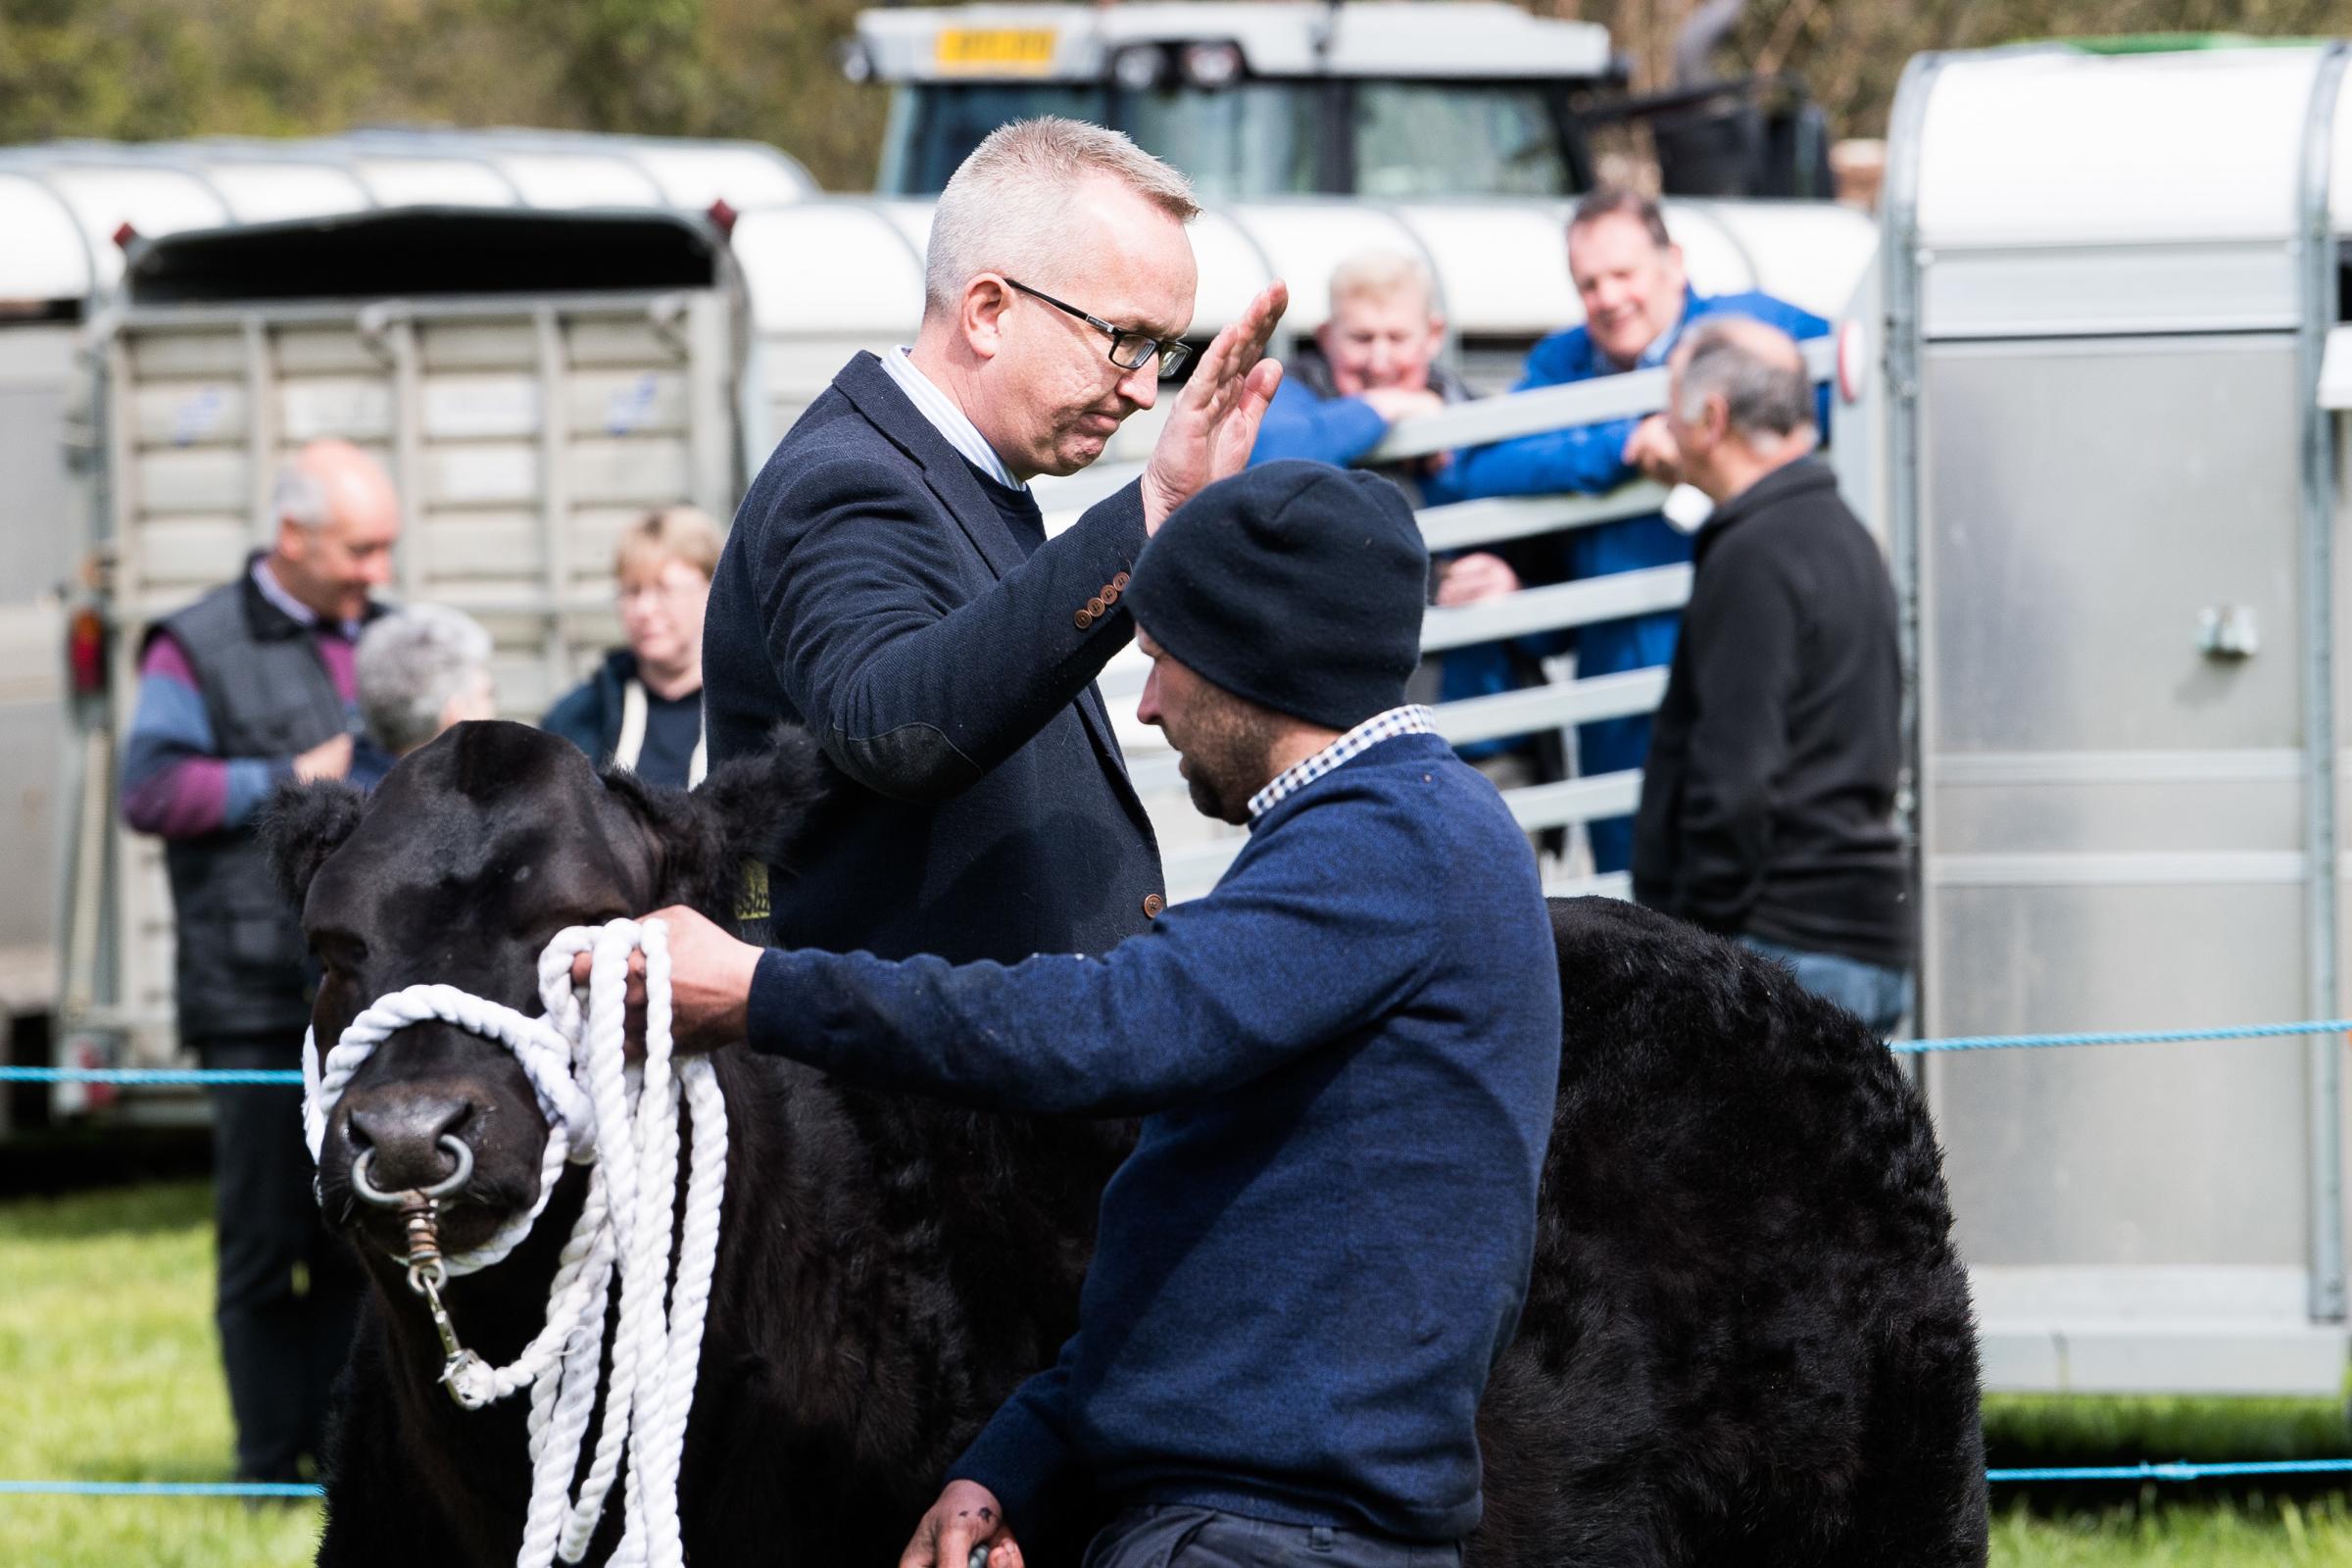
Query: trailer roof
[855,264]
[1414,38]
[2051,145]
[62,202]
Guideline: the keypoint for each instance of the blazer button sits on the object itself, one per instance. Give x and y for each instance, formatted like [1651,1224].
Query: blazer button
[1111,595]
[1153,905]
[1118,581]
[1095,606]
[1082,619]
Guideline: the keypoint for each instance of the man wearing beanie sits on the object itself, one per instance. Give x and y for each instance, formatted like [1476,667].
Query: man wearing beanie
[1346,1056]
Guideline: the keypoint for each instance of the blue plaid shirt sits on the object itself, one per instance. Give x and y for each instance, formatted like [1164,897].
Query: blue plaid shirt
[1410,719]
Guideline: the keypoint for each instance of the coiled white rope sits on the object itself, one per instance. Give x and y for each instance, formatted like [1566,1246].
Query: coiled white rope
[622,1122]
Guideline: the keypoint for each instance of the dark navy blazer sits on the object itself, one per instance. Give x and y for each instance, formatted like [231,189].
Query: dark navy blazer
[873,592]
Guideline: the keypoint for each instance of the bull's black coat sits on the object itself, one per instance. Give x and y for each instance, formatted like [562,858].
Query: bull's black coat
[1746,1338]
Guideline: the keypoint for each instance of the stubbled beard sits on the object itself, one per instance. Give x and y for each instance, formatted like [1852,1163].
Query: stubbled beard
[1227,754]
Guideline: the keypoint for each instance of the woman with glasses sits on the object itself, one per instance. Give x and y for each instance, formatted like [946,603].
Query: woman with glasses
[642,707]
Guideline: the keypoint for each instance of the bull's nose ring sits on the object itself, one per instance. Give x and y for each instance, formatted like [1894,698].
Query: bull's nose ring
[458,1151]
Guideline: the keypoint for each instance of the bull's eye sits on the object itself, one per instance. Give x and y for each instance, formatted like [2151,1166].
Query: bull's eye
[338,950]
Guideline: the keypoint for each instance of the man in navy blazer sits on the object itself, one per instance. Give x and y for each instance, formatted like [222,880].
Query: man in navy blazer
[888,584]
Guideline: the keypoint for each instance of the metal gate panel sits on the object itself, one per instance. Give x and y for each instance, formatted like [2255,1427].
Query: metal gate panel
[2162,1155]
[2255,810]
[2115,817]
[2138,466]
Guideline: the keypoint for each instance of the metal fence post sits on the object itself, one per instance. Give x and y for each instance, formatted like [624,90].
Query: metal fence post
[2316,238]
[1900,264]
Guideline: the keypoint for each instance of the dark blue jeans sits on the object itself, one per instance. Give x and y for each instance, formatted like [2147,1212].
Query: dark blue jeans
[1181,1535]
[1876,995]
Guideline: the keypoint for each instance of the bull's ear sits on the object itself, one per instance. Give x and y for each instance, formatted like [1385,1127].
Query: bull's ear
[762,805]
[752,808]
[304,823]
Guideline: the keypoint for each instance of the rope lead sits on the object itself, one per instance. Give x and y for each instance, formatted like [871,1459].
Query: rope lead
[622,1123]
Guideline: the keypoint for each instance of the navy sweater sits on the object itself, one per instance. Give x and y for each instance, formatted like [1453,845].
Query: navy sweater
[1346,1055]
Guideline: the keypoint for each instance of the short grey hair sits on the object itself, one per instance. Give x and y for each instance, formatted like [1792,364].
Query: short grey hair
[1383,274]
[300,498]
[1007,207]
[1764,392]
[408,666]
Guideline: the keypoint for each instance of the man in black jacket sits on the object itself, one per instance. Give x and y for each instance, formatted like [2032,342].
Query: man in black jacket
[888,584]
[1767,810]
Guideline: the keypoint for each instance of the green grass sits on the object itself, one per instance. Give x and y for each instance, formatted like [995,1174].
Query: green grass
[108,1372]
[2148,1530]
[2058,1429]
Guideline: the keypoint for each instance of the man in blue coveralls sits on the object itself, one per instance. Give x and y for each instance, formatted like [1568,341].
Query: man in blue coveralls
[1629,277]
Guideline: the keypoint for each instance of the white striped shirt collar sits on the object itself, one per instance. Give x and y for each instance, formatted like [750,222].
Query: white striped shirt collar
[1410,719]
[946,418]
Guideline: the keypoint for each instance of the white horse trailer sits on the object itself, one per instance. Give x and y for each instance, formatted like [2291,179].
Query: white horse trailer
[2112,466]
[68,209]
[533,382]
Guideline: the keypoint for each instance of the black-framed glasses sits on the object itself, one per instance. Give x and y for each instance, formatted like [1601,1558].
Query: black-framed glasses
[1129,349]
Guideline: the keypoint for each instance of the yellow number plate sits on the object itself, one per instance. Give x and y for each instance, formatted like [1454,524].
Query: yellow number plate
[1021,51]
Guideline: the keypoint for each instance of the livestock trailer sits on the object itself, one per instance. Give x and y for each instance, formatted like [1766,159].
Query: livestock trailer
[2111,306]
[68,210]
[533,382]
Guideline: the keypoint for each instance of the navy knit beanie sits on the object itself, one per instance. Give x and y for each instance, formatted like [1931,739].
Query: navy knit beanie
[1297,585]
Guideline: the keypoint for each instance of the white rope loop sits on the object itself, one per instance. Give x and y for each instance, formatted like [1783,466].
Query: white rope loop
[622,1122]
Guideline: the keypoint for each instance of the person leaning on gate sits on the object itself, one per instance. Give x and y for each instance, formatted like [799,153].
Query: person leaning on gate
[1768,809]
[642,707]
[251,685]
[417,673]
[1346,1056]
[1373,363]
[890,586]
[1638,301]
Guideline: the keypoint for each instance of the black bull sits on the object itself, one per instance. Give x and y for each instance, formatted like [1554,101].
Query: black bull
[1748,1338]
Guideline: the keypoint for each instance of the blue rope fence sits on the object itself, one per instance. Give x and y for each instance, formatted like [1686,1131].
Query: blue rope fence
[2175,1471]
[2178,1470]
[160,1488]
[2130,1037]
[152,1076]
[163,1076]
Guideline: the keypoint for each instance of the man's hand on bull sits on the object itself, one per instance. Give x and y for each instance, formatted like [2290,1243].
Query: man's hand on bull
[967,1519]
[1212,430]
[710,983]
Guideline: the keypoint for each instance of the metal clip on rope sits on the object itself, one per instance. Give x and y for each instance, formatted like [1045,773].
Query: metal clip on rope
[420,1218]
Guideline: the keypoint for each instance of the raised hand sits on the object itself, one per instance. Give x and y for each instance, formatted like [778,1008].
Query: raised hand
[1213,426]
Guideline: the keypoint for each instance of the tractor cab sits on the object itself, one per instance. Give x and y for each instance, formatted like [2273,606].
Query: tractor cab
[1401,100]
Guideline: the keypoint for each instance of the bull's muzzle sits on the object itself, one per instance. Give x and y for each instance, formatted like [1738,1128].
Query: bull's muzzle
[407,1140]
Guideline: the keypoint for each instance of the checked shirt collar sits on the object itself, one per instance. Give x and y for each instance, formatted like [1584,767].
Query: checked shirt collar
[1410,719]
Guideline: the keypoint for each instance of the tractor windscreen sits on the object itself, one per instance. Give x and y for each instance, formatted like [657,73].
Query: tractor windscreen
[1261,138]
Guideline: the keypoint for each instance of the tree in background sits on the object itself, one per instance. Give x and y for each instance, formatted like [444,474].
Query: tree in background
[767,70]
[1851,53]
[141,70]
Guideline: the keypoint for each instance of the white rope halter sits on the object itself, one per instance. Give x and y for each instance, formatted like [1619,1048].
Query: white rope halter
[595,1105]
